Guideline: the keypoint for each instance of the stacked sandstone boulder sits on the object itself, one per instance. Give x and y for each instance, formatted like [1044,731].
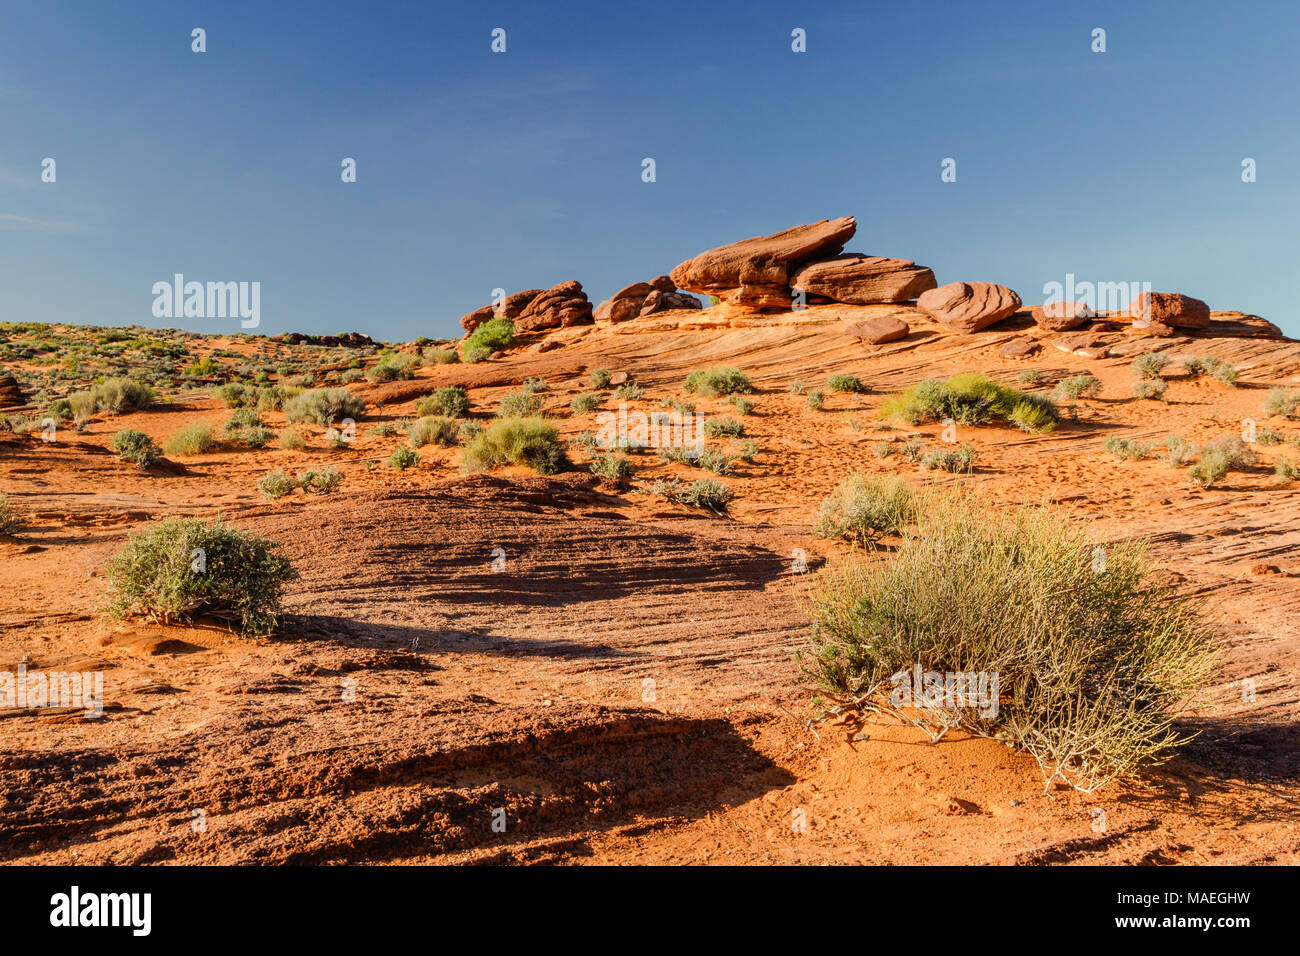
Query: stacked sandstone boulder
[645,298]
[535,310]
[11,393]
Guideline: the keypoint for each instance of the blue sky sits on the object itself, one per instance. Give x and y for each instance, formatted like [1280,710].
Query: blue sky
[479,170]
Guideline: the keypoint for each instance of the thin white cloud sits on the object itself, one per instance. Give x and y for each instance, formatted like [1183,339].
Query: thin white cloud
[39,225]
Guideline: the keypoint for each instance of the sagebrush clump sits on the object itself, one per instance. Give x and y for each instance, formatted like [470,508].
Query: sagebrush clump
[971,399]
[862,510]
[534,442]
[715,382]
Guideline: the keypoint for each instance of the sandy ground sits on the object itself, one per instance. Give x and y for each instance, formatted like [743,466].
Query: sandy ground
[624,689]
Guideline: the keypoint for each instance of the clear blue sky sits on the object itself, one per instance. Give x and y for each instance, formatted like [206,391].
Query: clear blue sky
[479,170]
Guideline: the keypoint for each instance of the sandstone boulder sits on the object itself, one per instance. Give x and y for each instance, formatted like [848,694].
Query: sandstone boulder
[1062,316]
[511,307]
[864,280]
[11,393]
[644,298]
[1169,308]
[558,307]
[877,331]
[756,272]
[1019,348]
[968,306]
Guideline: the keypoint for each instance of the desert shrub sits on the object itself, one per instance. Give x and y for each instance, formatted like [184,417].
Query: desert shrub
[600,378]
[677,405]
[390,370]
[1178,451]
[493,335]
[324,406]
[1149,365]
[403,458]
[715,382]
[320,481]
[1239,455]
[1092,667]
[846,383]
[272,397]
[12,518]
[237,394]
[798,387]
[955,460]
[1282,401]
[586,402]
[884,449]
[1150,388]
[1286,469]
[816,400]
[748,451]
[520,404]
[535,384]
[534,442]
[1267,436]
[434,430]
[468,431]
[725,426]
[1078,386]
[473,354]
[970,399]
[348,376]
[1028,376]
[60,409]
[179,567]
[911,449]
[451,401]
[192,439]
[714,460]
[678,454]
[136,447]
[612,467]
[1210,470]
[116,395]
[863,510]
[1125,449]
[436,356]
[245,427]
[275,484]
[585,441]
[1216,368]
[292,439]
[629,391]
[706,493]
[741,404]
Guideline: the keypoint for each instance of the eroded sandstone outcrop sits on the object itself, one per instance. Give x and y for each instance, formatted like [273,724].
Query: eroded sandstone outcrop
[968,306]
[856,279]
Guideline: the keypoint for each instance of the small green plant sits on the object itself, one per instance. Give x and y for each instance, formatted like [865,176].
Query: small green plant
[324,406]
[179,567]
[600,378]
[473,354]
[291,439]
[533,442]
[971,399]
[1214,367]
[275,484]
[436,356]
[1267,436]
[715,460]
[612,467]
[136,447]
[403,458]
[884,449]
[1286,469]
[1028,376]
[716,382]
[1240,456]
[1078,386]
[816,400]
[1150,388]
[585,441]
[846,383]
[1282,401]
[586,402]
[493,335]
[1125,449]
[725,426]
[535,384]
[862,510]
[1149,365]
[959,460]
[741,404]
[1178,452]
[911,449]
[12,518]
[798,387]
[320,481]
[748,451]
[1210,470]
[520,404]
[434,430]
[451,401]
[192,439]
[706,493]
[629,391]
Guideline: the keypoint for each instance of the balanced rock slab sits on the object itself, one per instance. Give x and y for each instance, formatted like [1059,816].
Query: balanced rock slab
[756,272]
[1170,308]
[968,306]
[864,280]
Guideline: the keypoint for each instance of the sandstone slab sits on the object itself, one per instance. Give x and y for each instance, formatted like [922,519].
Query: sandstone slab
[864,280]
[968,306]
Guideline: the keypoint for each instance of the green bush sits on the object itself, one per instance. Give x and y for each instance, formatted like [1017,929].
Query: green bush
[959,460]
[725,426]
[1287,469]
[324,406]
[520,404]
[1028,376]
[740,403]
[715,382]
[714,460]
[1150,388]
[1093,666]
[1178,451]
[971,399]
[816,400]
[493,336]
[320,481]
[451,401]
[600,378]
[434,430]
[179,567]
[534,442]
[1125,449]
[275,484]
[136,447]
[440,356]
[1078,386]
[846,383]
[1240,456]
[1282,401]
[1211,469]
[292,439]
[1150,365]
[390,370]
[12,518]
[237,395]
[706,493]
[862,510]
[1214,367]
[473,354]
[629,391]
[612,467]
[403,458]
[192,439]
[245,427]
[586,402]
